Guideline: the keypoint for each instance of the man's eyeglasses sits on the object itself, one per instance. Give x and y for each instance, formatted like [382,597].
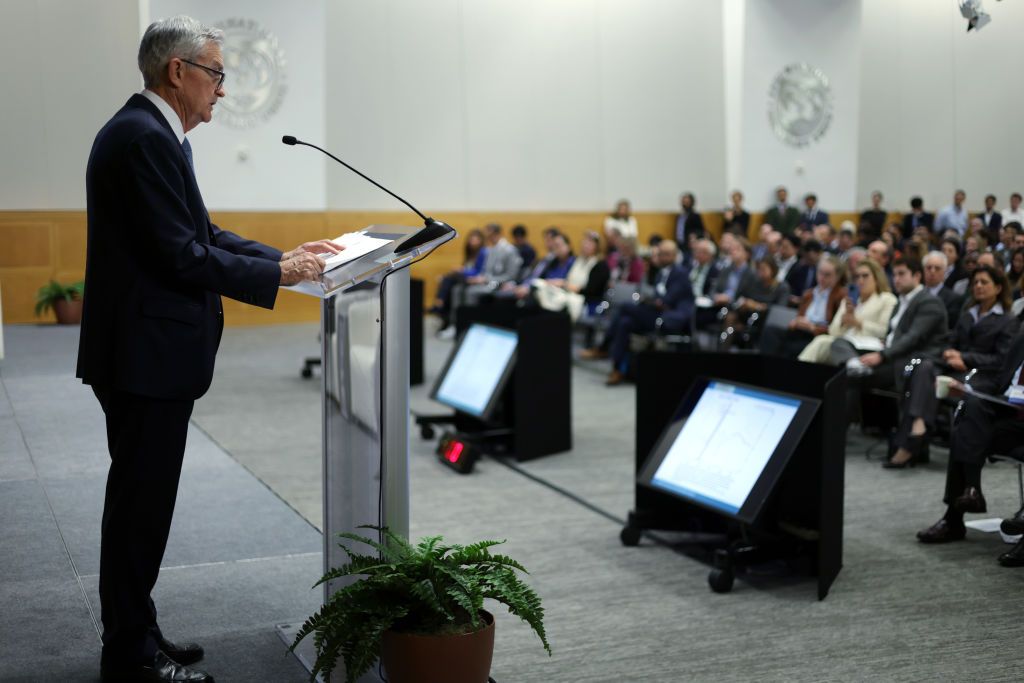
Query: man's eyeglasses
[220,74]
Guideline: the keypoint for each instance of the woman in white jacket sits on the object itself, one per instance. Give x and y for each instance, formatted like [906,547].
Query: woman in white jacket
[864,324]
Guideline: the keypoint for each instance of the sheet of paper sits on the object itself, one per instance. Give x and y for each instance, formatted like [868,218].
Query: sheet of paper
[986,525]
[356,244]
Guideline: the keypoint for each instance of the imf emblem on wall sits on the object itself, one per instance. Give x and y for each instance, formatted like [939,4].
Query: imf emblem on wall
[800,105]
[256,81]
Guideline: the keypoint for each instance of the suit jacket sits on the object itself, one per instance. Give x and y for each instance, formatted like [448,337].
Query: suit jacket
[156,266]
[921,330]
[678,299]
[984,345]
[820,218]
[784,223]
[1012,361]
[801,277]
[692,225]
[748,280]
[835,297]
[995,223]
[502,263]
[710,278]
[925,219]
[953,303]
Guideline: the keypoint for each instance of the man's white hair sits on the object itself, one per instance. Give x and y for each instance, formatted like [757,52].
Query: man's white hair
[935,256]
[181,36]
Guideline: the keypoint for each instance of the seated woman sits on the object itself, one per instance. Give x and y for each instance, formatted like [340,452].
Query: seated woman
[474,255]
[583,288]
[817,308]
[863,323]
[625,264]
[981,340]
[557,268]
[754,296]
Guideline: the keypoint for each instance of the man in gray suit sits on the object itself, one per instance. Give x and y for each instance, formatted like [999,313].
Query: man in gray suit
[917,329]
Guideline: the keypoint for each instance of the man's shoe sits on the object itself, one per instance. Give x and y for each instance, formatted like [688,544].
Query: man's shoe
[162,669]
[614,377]
[942,532]
[593,354]
[184,653]
[1014,557]
[970,501]
[1014,526]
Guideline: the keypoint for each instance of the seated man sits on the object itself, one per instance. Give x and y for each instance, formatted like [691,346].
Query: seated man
[802,275]
[501,264]
[982,428]
[917,329]
[731,279]
[935,265]
[817,308]
[671,301]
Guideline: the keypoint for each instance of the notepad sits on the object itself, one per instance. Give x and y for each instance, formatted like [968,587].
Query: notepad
[356,244]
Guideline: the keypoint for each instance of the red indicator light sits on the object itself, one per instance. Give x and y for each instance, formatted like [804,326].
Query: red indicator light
[454,451]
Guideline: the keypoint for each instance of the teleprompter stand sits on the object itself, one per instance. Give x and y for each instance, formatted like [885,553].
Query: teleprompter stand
[802,522]
[364,334]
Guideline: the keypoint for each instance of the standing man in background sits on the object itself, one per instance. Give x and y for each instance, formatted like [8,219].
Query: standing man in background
[156,268]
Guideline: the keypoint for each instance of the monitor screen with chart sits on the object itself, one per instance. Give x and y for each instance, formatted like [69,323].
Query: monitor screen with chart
[477,370]
[727,445]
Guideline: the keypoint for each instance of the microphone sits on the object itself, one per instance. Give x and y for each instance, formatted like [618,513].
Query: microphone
[432,228]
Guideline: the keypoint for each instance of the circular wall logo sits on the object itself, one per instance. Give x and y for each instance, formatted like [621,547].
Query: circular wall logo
[800,105]
[256,80]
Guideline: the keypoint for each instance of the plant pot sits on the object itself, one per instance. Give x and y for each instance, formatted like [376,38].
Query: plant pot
[68,312]
[463,658]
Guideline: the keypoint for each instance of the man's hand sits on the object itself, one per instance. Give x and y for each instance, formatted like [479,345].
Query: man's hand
[954,359]
[476,280]
[872,360]
[801,323]
[303,266]
[318,247]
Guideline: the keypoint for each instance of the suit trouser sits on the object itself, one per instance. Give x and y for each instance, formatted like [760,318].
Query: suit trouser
[982,429]
[146,440]
[631,319]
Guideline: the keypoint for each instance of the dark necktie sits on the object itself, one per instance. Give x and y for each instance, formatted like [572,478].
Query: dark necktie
[186,147]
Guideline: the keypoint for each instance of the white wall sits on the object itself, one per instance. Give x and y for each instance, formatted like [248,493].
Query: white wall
[940,108]
[250,169]
[826,35]
[526,104]
[66,68]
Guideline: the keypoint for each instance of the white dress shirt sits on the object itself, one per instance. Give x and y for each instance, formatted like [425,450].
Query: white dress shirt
[1013,216]
[169,114]
[900,310]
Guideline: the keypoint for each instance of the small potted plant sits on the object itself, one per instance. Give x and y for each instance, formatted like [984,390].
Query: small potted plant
[65,300]
[420,609]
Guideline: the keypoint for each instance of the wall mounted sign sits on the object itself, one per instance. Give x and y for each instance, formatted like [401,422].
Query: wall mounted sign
[800,105]
[255,66]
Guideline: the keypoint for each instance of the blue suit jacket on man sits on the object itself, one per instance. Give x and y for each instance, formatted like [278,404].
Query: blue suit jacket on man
[678,299]
[156,266]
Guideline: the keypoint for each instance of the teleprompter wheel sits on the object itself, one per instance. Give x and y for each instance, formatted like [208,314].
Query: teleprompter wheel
[427,432]
[630,536]
[307,372]
[721,580]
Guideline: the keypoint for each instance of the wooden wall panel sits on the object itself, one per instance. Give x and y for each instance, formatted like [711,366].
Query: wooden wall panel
[25,243]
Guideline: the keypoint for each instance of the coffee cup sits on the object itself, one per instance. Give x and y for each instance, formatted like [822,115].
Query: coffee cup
[942,384]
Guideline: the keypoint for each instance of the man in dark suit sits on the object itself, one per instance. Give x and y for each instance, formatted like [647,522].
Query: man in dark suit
[992,219]
[782,216]
[668,306]
[917,217]
[689,223]
[812,215]
[156,268]
[703,270]
[982,428]
[935,264]
[804,273]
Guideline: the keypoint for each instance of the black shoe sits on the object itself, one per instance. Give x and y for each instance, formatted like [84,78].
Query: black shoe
[185,653]
[1014,526]
[161,669]
[942,532]
[1014,557]
[970,501]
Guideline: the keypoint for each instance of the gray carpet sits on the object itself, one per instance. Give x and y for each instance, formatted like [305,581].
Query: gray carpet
[898,611]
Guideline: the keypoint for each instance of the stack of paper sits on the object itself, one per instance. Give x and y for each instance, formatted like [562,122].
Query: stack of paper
[356,244]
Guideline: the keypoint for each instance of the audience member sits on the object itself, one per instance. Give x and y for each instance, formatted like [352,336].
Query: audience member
[583,287]
[981,339]
[1013,213]
[970,265]
[982,428]
[754,296]
[526,251]
[735,218]
[953,249]
[936,265]
[917,218]
[670,302]
[812,215]
[621,219]
[625,264]
[502,265]
[788,255]
[826,235]
[725,246]
[1015,271]
[882,253]
[1007,234]
[736,276]
[817,308]
[916,329]
[703,272]
[876,215]
[761,249]
[539,265]
[689,223]
[975,242]
[781,215]
[893,236]
[853,257]
[473,255]
[990,258]
[802,276]
[846,240]
[862,318]
[991,220]
[954,216]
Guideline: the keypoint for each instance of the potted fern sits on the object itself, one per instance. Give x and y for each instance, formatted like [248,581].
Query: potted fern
[420,609]
[65,300]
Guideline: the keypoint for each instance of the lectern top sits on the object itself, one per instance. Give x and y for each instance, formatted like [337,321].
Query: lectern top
[375,264]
